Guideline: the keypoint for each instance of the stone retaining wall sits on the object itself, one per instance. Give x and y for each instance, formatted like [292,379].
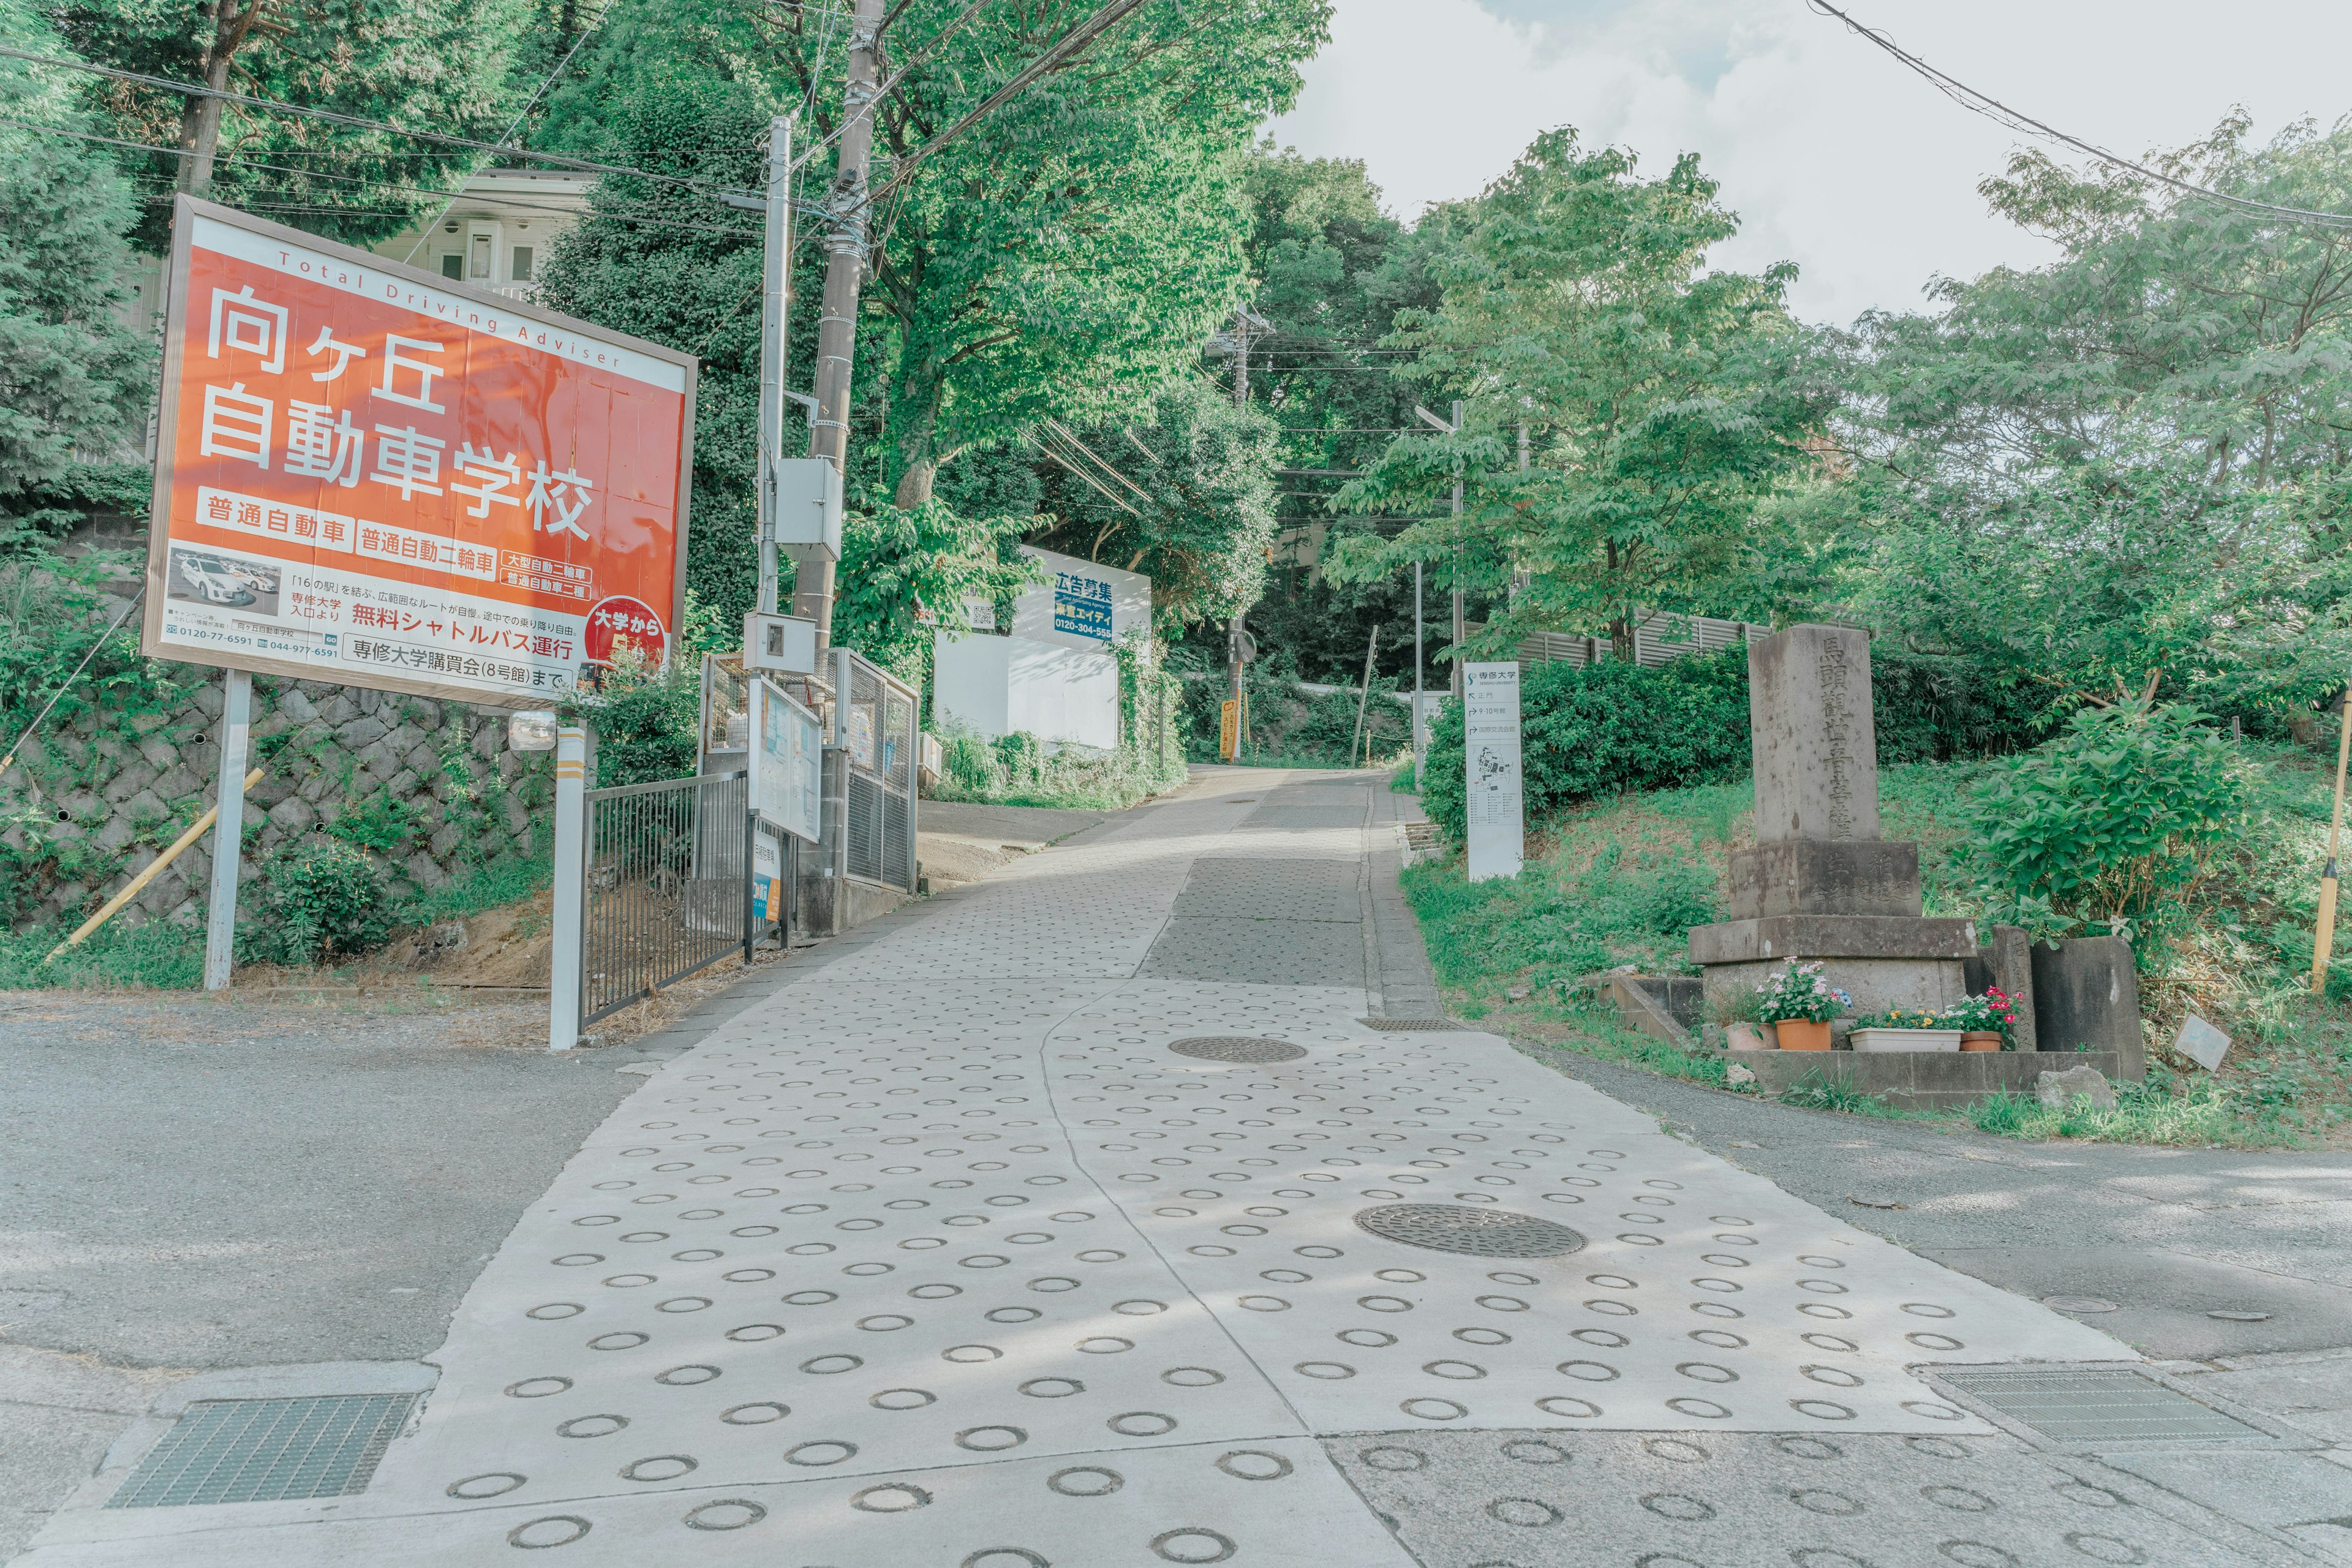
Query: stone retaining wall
[92,801]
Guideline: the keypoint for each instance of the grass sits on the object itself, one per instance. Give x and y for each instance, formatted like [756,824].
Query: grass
[162,956]
[1622,882]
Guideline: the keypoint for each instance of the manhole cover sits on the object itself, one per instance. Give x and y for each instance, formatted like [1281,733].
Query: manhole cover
[1452,1227]
[267,1450]
[2098,1405]
[1391,1026]
[1237,1049]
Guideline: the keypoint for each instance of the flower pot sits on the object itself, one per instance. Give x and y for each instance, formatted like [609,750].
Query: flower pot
[1745,1038]
[1980,1040]
[1802,1033]
[1906,1040]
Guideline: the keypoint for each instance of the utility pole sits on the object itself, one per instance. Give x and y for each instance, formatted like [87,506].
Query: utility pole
[775,300]
[1420,743]
[836,334]
[1459,632]
[1240,356]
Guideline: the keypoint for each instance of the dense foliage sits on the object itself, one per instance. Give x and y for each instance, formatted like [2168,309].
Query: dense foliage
[73,377]
[2114,824]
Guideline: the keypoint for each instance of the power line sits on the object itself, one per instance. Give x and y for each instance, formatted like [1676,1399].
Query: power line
[1992,109]
[1066,46]
[355,122]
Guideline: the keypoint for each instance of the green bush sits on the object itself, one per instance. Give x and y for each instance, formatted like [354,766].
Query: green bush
[1603,728]
[2115,823]
[321,898]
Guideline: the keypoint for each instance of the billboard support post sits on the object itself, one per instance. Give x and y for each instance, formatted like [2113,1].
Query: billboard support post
[571,903]
[228,827]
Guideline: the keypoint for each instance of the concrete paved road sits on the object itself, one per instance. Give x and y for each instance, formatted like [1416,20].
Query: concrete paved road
[1002,1238]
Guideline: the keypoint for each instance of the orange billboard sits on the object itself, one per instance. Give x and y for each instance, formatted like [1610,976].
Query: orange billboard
[370,475]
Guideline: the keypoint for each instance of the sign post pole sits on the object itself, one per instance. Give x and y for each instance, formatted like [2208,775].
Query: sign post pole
[571,864]
[1490,752]
[228,830]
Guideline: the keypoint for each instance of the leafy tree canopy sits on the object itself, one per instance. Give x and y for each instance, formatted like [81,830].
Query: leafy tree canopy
[437,64]
[73,378]
[1663,402]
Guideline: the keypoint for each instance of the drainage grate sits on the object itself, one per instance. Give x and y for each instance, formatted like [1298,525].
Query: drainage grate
[2098,1405]
[1390,1025]
[1486,1233]
[1237,1049]
[267,1450]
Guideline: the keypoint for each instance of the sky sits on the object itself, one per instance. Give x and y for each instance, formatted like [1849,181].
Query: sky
[1834,155]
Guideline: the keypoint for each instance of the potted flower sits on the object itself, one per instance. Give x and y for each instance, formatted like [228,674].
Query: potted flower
[1741,1016]
[1984,1021]
[1800,1004]
[1898,1029]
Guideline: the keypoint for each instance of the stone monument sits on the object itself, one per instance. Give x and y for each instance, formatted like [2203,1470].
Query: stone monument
[1819,883]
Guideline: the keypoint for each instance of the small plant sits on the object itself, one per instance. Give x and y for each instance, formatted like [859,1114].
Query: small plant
[1799,992]
[1992,1013]
[1737,1007]
[322,898]
[1902,1018]
[379,823]
[1832,1091]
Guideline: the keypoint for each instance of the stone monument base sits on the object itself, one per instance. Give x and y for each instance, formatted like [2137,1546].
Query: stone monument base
[1884,962]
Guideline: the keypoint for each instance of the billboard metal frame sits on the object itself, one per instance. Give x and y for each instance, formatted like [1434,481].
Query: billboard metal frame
[175,305]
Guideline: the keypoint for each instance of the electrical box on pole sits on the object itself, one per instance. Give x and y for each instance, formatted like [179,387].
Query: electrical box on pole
[782,644]
[808,506]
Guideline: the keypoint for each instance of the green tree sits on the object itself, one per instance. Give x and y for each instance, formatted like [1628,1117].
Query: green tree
[906,571]
[1189,503]
[652,259]
[438,65]
[1664,402]
[2125,473]
[73,378]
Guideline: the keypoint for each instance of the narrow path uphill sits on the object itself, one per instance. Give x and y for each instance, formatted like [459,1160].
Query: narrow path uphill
[1082,1220]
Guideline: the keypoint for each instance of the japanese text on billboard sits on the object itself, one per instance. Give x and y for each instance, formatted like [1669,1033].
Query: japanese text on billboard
[368,476]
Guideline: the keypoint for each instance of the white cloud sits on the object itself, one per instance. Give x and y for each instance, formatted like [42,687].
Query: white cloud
[1834,157]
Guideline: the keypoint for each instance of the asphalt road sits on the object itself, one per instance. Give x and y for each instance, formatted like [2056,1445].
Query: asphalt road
[2165,1237]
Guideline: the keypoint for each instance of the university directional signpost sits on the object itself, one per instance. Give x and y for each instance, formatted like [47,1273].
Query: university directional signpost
[375,476]
[1490,749]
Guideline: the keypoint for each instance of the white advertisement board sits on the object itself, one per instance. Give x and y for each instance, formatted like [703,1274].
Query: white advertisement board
[1083,605]
[1490,751]
[787,776]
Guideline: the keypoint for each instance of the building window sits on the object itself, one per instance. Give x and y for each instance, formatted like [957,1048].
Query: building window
[480,246]
[522,260]
[452,265]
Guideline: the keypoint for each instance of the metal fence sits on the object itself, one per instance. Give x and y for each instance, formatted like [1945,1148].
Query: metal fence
[1660,639]
[668,884]
[881,728]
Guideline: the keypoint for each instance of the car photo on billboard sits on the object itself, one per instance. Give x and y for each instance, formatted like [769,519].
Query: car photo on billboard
[230,581]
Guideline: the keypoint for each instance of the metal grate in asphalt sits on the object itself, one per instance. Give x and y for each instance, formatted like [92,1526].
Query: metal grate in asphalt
[1237,1049]
[1482,1233]
[2098,1405]
[267,1450]
[1392,1026]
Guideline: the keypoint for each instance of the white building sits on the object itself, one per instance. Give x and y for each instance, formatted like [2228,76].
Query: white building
[496,234]
[1055,676]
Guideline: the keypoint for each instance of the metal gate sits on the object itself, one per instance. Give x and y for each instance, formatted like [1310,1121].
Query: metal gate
[667,885]
[880,726]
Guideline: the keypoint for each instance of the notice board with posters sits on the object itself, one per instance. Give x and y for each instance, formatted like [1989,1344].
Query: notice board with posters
[374,476]
[787,757]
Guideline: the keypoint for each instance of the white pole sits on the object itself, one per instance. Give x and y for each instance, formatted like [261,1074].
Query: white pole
[228,828]
[571,861]
[775,291]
